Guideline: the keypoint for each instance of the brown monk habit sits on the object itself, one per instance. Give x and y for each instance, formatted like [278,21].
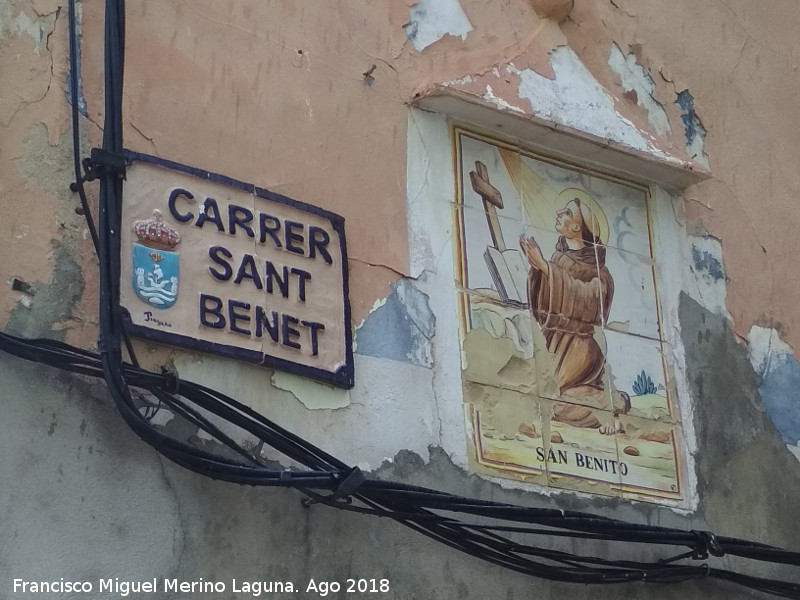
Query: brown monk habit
[568,303]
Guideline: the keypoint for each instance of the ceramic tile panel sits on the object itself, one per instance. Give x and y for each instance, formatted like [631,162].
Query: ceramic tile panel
[633,307]
[581,448]
[481,160]
[486,265]
[505,430]
[497,346]
[637,370]
[649,452]
[570,366]
[625,210]
[292,293]
[559,307]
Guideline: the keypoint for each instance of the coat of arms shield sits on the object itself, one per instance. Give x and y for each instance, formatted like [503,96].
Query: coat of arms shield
[155,263]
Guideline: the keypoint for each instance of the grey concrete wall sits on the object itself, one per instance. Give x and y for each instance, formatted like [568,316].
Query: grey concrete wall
[83,498]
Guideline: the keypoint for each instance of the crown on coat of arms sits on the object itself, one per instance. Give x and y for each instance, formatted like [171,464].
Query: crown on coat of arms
[154,232]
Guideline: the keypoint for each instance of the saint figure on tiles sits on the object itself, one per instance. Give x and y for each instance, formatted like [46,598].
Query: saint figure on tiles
[570,294]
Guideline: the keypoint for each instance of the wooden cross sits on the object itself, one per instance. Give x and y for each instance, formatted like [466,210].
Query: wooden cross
[492,200]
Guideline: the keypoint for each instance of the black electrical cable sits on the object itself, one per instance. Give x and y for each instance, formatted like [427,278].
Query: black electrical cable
[407,504]
[433,513]
[439,498]
[74,90]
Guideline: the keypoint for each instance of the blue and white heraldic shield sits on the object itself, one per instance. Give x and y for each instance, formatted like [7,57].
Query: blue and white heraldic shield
[155,276]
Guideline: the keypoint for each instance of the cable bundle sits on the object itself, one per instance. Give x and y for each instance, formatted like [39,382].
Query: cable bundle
[439,515]
[487,530]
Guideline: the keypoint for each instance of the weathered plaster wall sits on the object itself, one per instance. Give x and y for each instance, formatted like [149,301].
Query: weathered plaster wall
[39,221]
[286,95]
[740,66]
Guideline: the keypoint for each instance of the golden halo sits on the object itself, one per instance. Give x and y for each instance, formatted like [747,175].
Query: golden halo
[591,212]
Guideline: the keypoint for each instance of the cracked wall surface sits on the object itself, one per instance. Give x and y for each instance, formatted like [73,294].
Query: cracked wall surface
[400,328]
[312,101]
[639,87]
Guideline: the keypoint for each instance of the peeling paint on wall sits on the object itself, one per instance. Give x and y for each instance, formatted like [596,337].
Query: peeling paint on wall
[499,102]
[706,283]
[401,328]
[779,380]
[637,81]
[694,131]
[576,99]
[430,20]
[389,409]
[707,264]
[313,395]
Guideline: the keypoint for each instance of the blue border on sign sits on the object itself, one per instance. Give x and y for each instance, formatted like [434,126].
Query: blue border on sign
[344,376]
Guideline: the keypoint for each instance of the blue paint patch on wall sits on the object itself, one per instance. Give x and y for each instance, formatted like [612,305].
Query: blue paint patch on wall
[691,123]
[779,387]
[706,262]
[417,12]
[401,329]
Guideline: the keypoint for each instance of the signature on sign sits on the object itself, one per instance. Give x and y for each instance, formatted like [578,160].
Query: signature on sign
[149,318]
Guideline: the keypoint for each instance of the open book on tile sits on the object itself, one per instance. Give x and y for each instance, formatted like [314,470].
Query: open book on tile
[509,272]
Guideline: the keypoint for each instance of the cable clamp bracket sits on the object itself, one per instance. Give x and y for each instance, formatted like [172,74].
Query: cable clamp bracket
[355,477]
[706,543]
[98,164]
[172,382]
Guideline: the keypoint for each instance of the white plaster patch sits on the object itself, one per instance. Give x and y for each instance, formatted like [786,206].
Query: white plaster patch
[764,347]
[246,383]
[499,102]
[269,453]
[461,81]
[313,395]
[794,450]
[390,409]
[430,224]
[206,437]
[430,20]
[393,408]
[635,77]
[309,110]
[430,221]
[574,98]
[705,280]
